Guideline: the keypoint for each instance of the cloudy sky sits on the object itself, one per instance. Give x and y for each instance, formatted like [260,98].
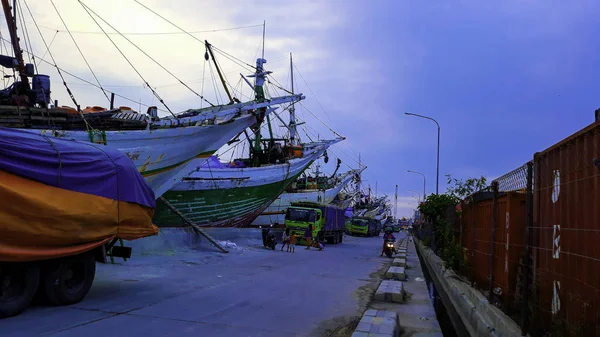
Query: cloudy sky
[504,79]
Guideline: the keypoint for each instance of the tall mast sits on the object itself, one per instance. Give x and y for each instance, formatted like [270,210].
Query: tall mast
[14,39]
[264,30]
[292,128]
[212,56]
[260,76]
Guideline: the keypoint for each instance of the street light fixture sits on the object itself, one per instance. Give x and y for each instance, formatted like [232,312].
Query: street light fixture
[417,193]
[437,180]
[424,181]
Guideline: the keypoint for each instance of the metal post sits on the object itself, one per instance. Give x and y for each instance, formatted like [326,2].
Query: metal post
[424,182]
[473,230]
[492,238]
[437,179]
[419,194]
[528,224]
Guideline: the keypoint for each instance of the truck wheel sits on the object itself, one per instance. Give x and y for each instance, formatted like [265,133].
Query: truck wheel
[66,281]
[18,285]
[341,237]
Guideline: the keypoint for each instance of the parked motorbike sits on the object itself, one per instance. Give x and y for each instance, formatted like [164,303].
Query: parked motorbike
[389,248]
[268,238]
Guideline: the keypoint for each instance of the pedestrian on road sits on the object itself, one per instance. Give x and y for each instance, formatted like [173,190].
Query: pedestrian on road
[308,236]
[286,239]
[292,245]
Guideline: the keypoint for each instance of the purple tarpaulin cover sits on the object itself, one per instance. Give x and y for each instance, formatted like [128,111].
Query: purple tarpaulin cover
[213,162]
[72,165]
[349,212]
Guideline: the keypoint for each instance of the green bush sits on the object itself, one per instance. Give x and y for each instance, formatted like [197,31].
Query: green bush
[435,210]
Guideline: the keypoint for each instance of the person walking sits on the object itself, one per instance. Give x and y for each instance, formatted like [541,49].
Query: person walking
[308,236]
[292,245]
[286,239]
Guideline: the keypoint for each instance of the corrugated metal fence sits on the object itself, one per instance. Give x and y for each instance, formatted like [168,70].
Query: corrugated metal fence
[532,243]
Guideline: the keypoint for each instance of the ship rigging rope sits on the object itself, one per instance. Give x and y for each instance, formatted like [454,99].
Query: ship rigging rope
[49,45]
[28,45]
[308,132]
[86,81]
[79,49]
[126,59]
[231,57]
[87,125]
[88,10]
[156,33]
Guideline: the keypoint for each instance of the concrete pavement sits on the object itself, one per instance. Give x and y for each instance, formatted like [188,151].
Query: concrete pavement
[249,292]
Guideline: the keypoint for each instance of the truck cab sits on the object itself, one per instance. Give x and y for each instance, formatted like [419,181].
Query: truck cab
[359,226]
[328,222]
[297,219]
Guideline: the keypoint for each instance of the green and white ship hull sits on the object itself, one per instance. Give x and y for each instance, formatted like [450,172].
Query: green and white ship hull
[232,197]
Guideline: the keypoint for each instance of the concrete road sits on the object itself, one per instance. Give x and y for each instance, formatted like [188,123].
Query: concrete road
[249,292]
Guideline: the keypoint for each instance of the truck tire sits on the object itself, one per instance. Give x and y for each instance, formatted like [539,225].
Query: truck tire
[18,286]
[341,237]
[67,280]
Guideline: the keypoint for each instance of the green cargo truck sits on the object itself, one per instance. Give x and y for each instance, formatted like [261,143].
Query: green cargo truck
[328,221]
[363,226]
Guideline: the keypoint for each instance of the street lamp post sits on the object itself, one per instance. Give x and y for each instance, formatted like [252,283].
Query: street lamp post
[437,179]
[417,193]
[424,181]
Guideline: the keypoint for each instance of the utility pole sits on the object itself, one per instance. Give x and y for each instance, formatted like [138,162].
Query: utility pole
[396,204]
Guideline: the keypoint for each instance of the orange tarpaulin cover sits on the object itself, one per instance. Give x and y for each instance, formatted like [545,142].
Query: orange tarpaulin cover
[39,221]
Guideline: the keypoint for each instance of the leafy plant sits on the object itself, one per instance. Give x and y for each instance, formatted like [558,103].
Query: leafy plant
[462,189]
[435,209]
[435,205]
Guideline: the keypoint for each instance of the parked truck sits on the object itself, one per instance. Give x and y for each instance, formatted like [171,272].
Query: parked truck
[65,204]
[364,226]
[328,221]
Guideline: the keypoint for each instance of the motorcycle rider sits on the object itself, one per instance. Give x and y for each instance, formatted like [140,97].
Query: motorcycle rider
[388,235]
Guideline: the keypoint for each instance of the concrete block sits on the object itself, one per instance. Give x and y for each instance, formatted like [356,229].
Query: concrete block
[402,250]
[389,291]
[399,262]
[360,334]
[370,312]
[383,324]
[400,256]
[364,327]
[395,273]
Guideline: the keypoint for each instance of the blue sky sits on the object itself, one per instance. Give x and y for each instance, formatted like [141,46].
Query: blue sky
[504,79]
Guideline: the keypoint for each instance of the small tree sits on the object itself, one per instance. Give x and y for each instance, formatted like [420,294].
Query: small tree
[434,209]
[462,189]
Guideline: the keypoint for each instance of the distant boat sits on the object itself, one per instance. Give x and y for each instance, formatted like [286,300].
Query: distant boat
[275,213]
[159,147]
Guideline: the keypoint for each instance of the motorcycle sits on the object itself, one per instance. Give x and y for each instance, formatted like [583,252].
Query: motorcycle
[268,238]
[389,248]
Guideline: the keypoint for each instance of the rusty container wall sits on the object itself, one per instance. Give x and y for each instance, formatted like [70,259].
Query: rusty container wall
[566,233]
[508,245]
[483,230]
[465,237]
